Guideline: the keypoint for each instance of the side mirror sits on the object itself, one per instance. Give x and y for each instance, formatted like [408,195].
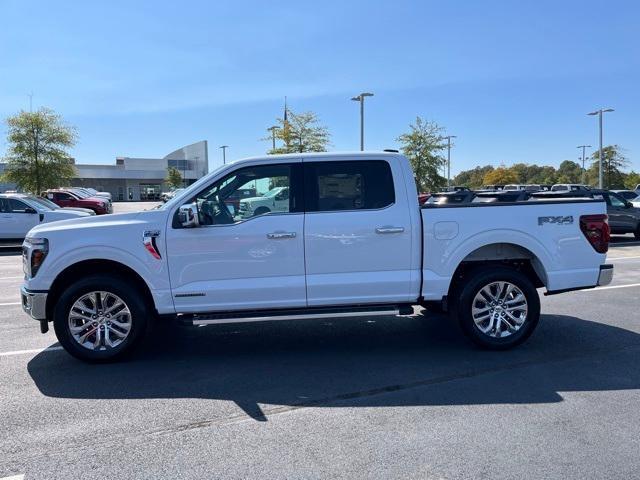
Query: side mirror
[30,210]
[188,216]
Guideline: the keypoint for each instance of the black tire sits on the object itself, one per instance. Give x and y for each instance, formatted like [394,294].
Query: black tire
[261,211]
[475,281]
[637,233]
[131,296]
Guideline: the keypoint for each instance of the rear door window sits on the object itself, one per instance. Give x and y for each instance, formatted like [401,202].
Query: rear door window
[354,185]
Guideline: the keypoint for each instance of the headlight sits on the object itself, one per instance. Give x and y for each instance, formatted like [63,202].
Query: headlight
[34,251]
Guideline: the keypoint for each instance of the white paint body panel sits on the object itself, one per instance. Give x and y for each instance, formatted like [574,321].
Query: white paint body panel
[336,258]
[235,267]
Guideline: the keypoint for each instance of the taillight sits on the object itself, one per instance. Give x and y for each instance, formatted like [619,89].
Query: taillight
[596,229]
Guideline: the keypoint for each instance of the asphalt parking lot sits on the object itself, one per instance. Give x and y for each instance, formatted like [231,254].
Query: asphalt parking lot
[396,397]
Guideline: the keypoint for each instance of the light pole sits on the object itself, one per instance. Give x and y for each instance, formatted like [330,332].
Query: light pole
[449,137]
[273,135]
[224,153]
[599,113]
[583,170]
[360,98]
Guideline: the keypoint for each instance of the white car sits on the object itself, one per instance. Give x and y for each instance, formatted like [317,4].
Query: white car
[96,193]
[19,213]
[275,200]
[350,241]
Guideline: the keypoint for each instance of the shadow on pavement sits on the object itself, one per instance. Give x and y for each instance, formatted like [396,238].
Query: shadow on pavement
[354,362]
[624,241]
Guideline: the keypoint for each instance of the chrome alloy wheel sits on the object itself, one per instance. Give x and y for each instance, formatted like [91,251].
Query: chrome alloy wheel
[99,320]
[499,309]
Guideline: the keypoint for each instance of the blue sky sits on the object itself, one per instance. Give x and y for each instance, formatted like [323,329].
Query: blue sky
[513,80]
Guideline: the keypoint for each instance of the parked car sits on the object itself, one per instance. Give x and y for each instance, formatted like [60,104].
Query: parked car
[49,204]
[20,212]
[526,188]
[96,193]
[569,187]
[65,198]
[351,240]
[628,195]
[166,196]
[275,200]
[623,216]
[85,193]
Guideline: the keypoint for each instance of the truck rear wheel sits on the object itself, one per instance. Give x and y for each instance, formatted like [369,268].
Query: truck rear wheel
[100,318]
[499,308]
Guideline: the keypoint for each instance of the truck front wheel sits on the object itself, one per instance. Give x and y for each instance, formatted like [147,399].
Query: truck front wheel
[100,318]
[499,308]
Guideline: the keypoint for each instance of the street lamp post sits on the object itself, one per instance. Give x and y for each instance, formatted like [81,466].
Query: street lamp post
[273,135]
[449,137]
[599,113]
[224,153]
[360,98]
[583,170]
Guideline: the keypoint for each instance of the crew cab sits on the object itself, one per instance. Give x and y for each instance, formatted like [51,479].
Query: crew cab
[67,198]
[350,241]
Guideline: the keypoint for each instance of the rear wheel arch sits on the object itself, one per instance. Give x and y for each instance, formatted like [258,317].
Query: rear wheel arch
[503,254]
[85,268]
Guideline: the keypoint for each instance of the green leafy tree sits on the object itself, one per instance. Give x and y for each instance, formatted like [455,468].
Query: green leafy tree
[501,176]
[174,177]
[632,180]
[473,178]
[569,172]
[422,146]
[614,162]
[300,132]
[37,157]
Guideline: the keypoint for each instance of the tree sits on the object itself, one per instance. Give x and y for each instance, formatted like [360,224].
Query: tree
[569,172]
[472,178]
[422,145]
[613,164]
[300,133]
[174,178]
[500,176]
[632,180]
[37,157]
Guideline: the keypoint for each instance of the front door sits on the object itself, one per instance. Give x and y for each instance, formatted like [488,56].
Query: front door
[357,233]
[235,262]
[621,217]
[16,218]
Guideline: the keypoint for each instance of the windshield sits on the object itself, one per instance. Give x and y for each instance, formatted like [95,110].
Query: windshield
[43,202]
[80,193]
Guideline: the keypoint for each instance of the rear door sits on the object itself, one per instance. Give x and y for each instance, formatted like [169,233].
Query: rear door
[357,232]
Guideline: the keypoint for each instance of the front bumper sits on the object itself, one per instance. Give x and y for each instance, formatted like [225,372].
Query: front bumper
[34,304]
[606,274]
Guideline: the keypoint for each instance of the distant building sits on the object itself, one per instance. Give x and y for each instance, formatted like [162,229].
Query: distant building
[135,179]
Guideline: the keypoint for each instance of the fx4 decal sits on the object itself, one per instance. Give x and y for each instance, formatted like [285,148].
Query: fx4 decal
[559,220]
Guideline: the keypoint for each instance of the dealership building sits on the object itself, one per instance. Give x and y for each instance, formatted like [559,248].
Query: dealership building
[139,179]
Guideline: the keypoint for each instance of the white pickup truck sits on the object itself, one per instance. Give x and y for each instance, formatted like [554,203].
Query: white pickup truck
[352,241]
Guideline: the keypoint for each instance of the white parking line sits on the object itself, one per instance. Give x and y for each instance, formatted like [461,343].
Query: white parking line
[611,287]
[616,258]
[13,477]
[6,305]
[25,352]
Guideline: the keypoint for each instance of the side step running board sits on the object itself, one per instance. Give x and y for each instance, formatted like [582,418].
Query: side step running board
[295,314]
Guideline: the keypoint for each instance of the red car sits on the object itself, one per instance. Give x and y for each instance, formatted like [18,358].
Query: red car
[65,198]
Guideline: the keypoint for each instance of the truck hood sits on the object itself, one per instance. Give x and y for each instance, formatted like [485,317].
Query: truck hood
[97,222]
[60,214]
[256,199]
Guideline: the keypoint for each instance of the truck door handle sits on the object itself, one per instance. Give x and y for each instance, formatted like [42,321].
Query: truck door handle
[279,235]
[382,230]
